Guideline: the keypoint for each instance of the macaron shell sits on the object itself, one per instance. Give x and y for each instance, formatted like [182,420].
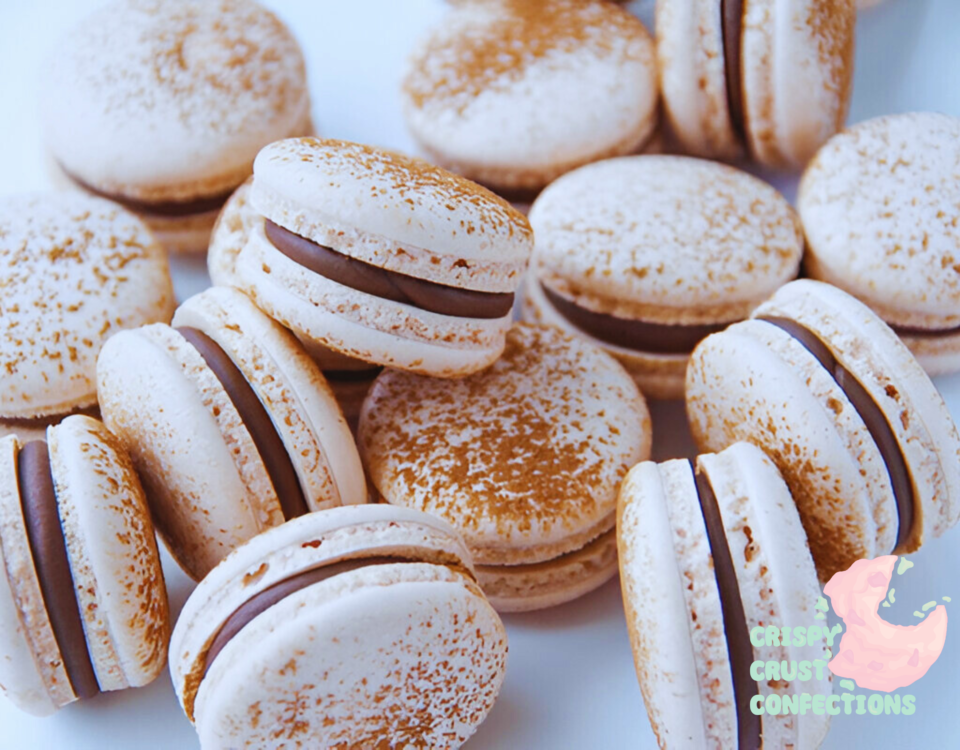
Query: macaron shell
[551,405]
[32,674]
[523,588]
[406,654]
[207,487]
[666,239]
[659,376]
[78,270]
[797,71]
[776,577]
[879,205]
[362,326]
[229,235]
[393,212]
[670,593]
[938,355]
[739,388]
[914,409]
[691,62]
[113,554]
[294,392]
[578,84]
[189,113]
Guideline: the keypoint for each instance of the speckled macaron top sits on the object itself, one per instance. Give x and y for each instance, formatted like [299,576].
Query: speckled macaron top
[515,92]
[665,238]
[392,211]
[75,270]
[879,206]
[229,235]
[524,458]
[171,101]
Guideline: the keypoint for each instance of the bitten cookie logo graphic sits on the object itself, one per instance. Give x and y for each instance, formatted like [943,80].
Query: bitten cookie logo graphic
[874,653]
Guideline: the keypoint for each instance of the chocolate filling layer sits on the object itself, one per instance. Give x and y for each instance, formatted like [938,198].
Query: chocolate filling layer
[260,603]
[190,207]
[739,648]
[379,282]
[352,376]
[732,18]
[655,338]
[872,416]
[38,499]
[925,333]
[253,414]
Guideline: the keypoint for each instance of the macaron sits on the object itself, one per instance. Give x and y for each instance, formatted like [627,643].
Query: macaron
[709,550]
[381,257]
[513,93]
[644,256]
[162,107]
[83,604]
[230,424]
[860,434]
[879,204]
[353,627]
[766,78]
[524,459]
[74,270]
[349,378]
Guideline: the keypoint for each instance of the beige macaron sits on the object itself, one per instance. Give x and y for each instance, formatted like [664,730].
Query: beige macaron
[524,459]
[163,106]
[83,605]
[646,255]
[513,93]
[74,270]
[230,424]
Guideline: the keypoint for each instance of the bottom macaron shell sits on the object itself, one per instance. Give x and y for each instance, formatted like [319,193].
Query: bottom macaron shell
[363,326]
[182,234]
[939,355]
[659,376]
[524,588]
[403,655]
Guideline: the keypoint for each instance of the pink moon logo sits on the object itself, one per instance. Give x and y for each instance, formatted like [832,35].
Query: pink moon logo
[874,653]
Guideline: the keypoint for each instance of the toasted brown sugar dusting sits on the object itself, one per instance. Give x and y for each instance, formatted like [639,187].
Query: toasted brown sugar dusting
[511,36]
[535,445]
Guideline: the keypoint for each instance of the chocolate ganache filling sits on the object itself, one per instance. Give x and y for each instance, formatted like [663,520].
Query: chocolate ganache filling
[41,514]
[925,333]
[269,444]
[735,626]
[872,416]
[390,285]
[656,338]
[169,208]
[732,19]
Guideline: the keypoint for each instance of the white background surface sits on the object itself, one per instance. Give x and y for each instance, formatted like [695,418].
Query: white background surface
[570,681]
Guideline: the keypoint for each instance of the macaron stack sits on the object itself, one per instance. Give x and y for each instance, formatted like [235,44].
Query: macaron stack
[162,107]
[644,256]
[524,459]
[75,270]
[860,434]
[763,78]
[513,93]
[83,606]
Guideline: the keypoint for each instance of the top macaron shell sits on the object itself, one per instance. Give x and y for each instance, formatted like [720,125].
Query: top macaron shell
[524,458]
[668,580]
[75,271]
[796,63]
[665,238]
[516,92]
[169,101]
[206,480]
[380,632]
[879,206]
[114,563]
